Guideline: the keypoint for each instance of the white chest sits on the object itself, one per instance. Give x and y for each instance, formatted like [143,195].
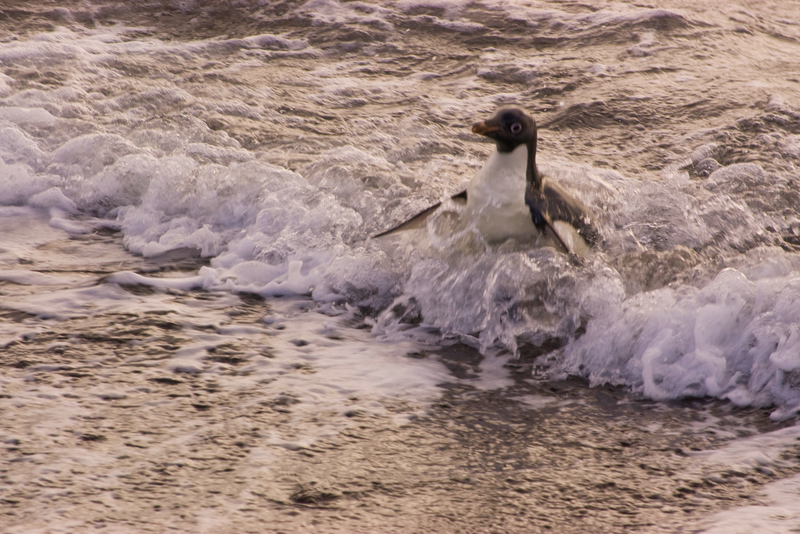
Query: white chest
[496,196]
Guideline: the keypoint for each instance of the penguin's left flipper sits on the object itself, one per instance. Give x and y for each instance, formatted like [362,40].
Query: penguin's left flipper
[553,209]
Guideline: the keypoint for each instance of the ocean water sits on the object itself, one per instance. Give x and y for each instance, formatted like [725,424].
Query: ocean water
[255,148]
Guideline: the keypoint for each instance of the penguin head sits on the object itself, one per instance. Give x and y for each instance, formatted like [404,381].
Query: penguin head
[509,128]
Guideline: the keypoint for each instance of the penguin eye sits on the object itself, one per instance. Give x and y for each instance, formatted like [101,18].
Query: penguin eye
[516,128]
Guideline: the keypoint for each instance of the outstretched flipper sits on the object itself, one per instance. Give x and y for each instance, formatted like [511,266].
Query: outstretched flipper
[418,220]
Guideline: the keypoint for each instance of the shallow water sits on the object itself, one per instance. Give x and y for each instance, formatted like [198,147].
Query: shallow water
[165,169]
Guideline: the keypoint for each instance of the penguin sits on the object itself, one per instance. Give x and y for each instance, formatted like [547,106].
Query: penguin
[509,197]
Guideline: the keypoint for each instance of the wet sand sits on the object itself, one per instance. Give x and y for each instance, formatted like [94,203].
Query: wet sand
[100,432]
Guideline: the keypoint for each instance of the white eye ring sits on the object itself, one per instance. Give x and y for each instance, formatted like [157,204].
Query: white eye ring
[516,128]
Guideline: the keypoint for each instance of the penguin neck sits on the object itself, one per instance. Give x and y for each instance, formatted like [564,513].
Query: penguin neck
[532,176]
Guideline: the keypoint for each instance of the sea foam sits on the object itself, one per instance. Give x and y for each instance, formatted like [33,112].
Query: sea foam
[689,293]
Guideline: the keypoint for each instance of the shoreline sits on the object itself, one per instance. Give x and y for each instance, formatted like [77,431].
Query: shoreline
[101,424]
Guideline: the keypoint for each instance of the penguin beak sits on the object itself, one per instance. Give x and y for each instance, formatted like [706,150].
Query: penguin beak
[485,128]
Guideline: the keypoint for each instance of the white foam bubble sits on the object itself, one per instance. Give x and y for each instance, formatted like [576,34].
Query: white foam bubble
[337,12]
[776,514]
[734,338]
[790,146]
[27,116]
[761,450]
[53,198]
[26,277]
[16,147]
[19,182]
[776,509]
[182,283]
